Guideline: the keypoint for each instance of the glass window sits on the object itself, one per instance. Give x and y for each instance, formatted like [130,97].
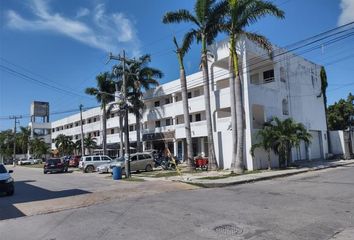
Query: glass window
[131,128]
[268,76]
[198,117]
[168,122]
[190,118]
[189,94]
[105,158]
[112,131]
[157,104]
[2,169]
[255,78]
[167,101]
[157,123]
[96,158]
[134,158]
[285,107]
[88,159]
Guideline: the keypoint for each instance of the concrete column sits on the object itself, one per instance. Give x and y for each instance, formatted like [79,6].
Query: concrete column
[144,146]
[248,110]
[202,148]
[175,147]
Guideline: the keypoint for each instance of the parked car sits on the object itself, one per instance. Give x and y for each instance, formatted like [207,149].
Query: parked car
[25,161]
[74,161]
[140,162]
[105,168]
[6,181]
[55,165]
[90,163]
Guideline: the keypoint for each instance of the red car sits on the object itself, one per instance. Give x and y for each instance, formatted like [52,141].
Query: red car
[74,161]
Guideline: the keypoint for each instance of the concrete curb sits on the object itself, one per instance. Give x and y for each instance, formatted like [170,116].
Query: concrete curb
[256,179]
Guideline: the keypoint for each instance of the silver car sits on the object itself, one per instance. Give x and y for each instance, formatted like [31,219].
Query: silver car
[106,168]
[140,162]
[90,163]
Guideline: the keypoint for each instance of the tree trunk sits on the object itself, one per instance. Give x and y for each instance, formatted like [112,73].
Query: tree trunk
[269,161]
[187,125]
[211,156]
[137,126]
[239,166]
[121,130]
[104,130]
[233,110]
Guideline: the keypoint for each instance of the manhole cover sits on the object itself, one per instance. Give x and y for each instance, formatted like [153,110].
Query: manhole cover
[228,230]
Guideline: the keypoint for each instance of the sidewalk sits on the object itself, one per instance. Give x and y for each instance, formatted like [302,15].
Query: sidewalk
[224,178]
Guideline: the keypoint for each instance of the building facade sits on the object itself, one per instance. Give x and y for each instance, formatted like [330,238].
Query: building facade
[284,86]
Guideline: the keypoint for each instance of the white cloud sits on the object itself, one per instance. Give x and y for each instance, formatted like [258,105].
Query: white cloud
[104,31]
[347,14]
[82,12]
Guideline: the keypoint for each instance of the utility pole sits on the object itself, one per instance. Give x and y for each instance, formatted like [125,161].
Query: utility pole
[82,132]
[16,121]
[123,60]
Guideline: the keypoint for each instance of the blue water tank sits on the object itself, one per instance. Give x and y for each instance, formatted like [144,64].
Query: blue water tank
[117,172]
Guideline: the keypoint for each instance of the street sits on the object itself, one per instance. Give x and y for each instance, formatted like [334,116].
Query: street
[314,205]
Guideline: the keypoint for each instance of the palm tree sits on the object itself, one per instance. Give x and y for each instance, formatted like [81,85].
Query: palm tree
[266,141]
[64,144]
[104,95]
[90,143]
[286,135]
[39,147]
[181,51]
[240,14]
[24,138]
[207,18]
[140,77]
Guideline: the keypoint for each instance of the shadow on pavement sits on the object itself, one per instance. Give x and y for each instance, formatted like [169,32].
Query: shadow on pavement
[25,192]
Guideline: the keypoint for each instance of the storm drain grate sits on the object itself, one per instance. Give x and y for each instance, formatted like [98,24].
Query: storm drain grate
[228,230]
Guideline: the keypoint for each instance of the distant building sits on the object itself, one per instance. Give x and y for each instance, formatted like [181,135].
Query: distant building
[286,86]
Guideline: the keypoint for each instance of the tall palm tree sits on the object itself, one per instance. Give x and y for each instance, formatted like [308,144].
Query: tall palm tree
[104,94]
[180,52]
[206,21]
[24,138]
[140,77]
[240,14]
[90,143]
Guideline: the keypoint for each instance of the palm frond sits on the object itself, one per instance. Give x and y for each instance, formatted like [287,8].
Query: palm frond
[178,16]
[262,41]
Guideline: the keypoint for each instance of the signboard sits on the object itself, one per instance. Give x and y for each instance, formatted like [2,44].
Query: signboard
[158,136]
[40,109]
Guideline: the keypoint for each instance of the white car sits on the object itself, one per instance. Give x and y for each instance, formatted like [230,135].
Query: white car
[25,161]
[6,181]
[90,163]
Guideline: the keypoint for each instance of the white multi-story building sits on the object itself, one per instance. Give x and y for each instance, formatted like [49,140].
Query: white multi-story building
[285,86]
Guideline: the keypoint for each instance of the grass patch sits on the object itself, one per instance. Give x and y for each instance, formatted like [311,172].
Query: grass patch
[133,179]
[40,165]
[165,174]
[230,175]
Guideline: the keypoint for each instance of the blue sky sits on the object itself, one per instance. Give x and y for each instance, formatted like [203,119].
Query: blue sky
[66,44]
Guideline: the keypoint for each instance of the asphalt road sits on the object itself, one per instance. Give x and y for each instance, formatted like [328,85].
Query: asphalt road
[315,205]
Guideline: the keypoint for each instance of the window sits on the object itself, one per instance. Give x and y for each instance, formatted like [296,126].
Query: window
[157,123]
[105,158]
[157,104]
[268,76]
[190,118]
[89,121]
[167,101]
[131,128]
[53,130]
[96,158]
[168,122]
[198,117]
[285,107]
[282,75]
[255,78]
[134,158]
[189,94]
[98,133]
[112,131]
[94,119]
[88,159]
